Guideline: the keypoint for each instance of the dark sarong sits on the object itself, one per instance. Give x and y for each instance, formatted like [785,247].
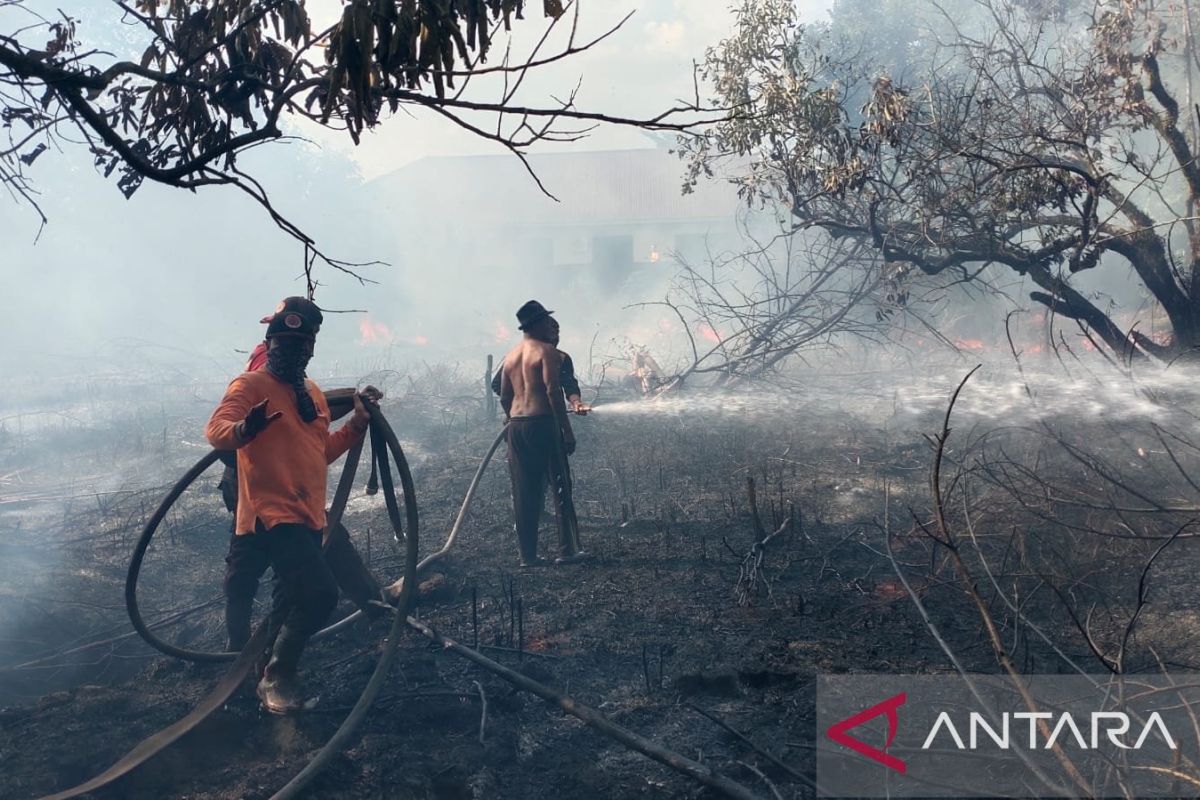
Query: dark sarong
[535,459]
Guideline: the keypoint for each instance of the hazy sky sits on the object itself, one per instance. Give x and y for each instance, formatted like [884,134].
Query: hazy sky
[197,270]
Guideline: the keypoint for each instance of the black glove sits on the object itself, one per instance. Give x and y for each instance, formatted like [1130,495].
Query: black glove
[257,421]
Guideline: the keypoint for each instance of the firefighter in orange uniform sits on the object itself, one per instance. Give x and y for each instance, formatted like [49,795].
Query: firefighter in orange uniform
[278,422]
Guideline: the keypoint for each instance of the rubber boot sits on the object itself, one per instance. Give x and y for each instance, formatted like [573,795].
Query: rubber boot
[279,689]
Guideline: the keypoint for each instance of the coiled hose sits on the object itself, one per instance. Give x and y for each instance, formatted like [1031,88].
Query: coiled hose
[383,440]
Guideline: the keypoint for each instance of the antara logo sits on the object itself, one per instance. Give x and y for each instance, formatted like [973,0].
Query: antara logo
[1062,729]
[1114,724]
[838,731]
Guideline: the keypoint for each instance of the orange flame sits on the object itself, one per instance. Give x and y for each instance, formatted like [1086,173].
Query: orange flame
[373,333]
[889,590]
[706,330]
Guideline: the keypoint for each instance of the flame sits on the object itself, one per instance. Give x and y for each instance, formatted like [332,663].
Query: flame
[559,643]
[420,340]
[502,333]
[373,333]
[969,344]
[889,590]
[706,330]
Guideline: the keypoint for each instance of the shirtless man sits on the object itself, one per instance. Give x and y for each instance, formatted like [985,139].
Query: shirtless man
[539,430]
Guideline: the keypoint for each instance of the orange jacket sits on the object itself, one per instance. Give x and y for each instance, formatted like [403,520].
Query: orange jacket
[282,472]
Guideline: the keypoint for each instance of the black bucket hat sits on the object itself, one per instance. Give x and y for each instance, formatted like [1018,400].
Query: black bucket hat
[531,313]
[295,316]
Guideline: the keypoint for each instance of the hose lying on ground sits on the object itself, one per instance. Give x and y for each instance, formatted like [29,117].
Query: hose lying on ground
[166,620]
[381,432]
[146,629]
[595,719]
[693,769]
[462,512]
[143,543]
[131,582]
[155,743]
[245,661]
[398,586]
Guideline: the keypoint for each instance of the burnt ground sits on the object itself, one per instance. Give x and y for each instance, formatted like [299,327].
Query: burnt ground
[645,631]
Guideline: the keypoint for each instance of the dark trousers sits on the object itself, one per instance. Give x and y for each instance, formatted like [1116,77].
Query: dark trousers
[249,557]
[535,458]
[306,582]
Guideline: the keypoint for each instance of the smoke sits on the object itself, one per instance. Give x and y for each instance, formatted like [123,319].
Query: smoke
[197,270]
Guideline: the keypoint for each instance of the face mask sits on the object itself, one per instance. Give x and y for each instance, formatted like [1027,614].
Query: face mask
[287,361]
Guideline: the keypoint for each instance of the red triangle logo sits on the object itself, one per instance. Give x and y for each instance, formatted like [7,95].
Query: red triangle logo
[838,731]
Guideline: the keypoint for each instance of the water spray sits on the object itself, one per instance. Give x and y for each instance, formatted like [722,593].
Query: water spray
[998,393]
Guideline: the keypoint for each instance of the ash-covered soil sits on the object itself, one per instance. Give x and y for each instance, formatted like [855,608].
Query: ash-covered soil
[646,632]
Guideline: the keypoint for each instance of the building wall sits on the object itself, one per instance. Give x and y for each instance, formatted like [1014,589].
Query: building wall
[624,260]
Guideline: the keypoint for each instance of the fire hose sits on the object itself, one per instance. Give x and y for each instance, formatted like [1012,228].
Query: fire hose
[383,439]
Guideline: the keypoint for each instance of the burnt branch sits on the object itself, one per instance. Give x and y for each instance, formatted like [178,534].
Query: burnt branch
[999,147]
